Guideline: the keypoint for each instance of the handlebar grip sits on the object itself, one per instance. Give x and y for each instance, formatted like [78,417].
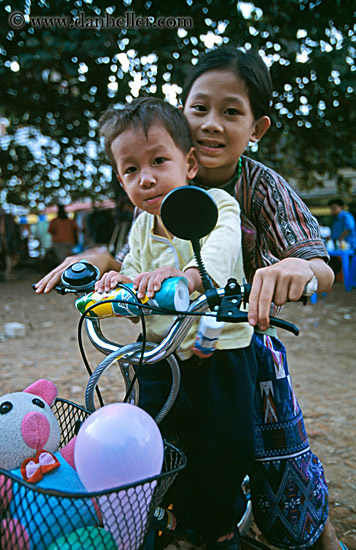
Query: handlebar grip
[242,317]
[119,302]
[279,323]
[173,294]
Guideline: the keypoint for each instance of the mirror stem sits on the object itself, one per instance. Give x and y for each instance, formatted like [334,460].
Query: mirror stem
[207,282]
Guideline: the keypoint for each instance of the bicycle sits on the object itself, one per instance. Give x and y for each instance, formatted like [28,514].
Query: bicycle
[225,303]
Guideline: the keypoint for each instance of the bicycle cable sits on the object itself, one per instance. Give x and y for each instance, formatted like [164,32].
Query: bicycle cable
[140,306]
[144,339]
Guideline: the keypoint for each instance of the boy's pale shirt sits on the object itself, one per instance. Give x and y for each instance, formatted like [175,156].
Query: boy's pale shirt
[222,256]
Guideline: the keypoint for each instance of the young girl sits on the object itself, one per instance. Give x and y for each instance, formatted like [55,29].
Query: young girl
[226,100]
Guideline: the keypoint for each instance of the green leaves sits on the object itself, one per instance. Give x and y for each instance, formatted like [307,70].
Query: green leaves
[59,78]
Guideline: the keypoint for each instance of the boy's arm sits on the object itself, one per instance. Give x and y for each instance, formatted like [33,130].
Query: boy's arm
[132,265]
[125,274]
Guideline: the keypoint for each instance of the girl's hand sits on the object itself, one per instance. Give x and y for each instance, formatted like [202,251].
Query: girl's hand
[282,282]
[98,256]
[110,280]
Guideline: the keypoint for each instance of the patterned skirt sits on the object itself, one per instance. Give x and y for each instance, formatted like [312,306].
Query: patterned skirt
[289,490]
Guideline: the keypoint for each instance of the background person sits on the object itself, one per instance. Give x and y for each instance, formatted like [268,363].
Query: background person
[64,233]
[343,227]
[342,234]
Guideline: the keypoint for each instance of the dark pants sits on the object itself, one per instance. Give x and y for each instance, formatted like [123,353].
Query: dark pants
[214,419]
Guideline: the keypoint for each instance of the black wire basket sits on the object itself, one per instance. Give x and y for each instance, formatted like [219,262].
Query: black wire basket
[116,519]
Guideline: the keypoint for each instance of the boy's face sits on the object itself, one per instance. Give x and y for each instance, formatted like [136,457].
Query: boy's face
[150,167]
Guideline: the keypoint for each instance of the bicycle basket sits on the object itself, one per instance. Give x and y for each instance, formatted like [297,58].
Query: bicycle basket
[116,519]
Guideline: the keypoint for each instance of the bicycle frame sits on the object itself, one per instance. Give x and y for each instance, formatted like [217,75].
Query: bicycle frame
[132,354]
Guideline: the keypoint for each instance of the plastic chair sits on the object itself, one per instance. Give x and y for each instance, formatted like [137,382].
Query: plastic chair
[352,273]
[349,279]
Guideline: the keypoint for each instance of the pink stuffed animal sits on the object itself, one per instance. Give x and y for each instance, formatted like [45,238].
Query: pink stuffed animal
[29,441]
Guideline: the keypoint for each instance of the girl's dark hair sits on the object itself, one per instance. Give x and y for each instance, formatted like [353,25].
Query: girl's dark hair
[143,113]
[248,66]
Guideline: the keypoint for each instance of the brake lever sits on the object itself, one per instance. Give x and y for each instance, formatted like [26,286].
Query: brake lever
[62,289]
[236,316]
[229,310]
[286,325]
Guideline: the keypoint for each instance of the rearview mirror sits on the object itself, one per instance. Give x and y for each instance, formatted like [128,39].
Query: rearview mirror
[190,213]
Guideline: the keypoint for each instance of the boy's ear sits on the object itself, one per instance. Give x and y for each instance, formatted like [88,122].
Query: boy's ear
[118,179]
[261,127]
[193,165]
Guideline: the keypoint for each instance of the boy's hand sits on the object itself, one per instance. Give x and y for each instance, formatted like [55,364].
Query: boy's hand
[150,282]
[110,280]
[280,283]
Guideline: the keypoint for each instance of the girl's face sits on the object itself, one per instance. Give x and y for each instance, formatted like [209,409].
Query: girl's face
[222,123]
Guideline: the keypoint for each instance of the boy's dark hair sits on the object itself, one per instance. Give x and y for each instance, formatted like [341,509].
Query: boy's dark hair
[143,113]
[248,66]
[339,202]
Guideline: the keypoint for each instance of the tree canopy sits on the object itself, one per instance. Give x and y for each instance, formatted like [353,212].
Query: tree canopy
[62,62]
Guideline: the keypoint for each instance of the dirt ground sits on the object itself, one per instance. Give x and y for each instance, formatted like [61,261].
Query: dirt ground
[322,362]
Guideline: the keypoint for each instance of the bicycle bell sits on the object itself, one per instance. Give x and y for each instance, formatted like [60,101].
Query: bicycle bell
[80,276]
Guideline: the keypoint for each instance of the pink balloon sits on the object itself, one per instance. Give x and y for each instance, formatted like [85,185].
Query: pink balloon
[119,444]
[125,514]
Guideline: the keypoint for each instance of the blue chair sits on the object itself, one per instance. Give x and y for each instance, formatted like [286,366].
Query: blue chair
[348,272]
[352,273]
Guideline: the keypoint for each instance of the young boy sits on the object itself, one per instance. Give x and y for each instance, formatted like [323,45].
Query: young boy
[149,146]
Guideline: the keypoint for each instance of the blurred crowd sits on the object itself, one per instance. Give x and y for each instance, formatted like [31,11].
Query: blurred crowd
[51,242]
[46,243]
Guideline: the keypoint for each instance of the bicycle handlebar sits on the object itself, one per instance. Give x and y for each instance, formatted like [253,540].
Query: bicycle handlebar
[180,328]
[226,303]
[133,354]
[178,331]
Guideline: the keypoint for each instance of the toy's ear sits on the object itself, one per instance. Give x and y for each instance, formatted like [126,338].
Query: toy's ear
[44,389]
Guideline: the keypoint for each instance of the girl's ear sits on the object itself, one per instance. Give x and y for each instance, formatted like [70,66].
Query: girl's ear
[192,163]
[261,127]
